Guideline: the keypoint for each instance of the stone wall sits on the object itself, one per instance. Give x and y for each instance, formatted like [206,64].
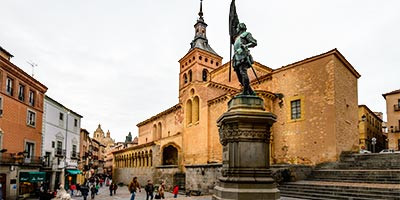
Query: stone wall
[166,174]
[202,177]
[125,175]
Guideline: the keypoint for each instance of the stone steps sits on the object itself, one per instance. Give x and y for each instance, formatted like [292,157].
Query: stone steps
[337,190]
[355,176]
[359,176]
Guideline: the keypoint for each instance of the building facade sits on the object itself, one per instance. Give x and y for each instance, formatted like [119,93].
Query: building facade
[393,118]
[85,154]
[370,126]
[61,143]
[315,101]
[21,114]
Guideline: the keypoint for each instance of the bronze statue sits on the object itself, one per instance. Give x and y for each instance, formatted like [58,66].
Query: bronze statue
[241,41]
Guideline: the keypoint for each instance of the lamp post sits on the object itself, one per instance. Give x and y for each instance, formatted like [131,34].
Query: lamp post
[65,155]
[373,144]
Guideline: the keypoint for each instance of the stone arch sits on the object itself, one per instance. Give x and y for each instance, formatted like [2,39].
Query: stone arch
[143,160]
[151,157]
[195,109]
[146,155]
[170,154]
[159,130]
[155,132]
[189,112]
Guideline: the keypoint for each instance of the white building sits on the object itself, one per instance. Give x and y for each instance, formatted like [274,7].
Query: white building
[60,146]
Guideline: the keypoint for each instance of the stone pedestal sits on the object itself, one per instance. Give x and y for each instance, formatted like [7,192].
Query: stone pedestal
[244,133]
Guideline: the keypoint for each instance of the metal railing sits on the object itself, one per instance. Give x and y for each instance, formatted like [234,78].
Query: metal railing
[74,155]
[15,158]
[395,129]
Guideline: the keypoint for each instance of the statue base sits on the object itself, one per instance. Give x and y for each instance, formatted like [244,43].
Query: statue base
[244,133]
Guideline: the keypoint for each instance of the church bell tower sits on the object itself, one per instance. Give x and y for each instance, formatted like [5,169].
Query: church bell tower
[201,59]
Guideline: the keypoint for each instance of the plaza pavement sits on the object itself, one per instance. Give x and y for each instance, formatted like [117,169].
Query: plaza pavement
[123,194]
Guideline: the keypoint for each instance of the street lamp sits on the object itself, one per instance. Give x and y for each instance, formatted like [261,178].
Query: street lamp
[373,144]
[65,154]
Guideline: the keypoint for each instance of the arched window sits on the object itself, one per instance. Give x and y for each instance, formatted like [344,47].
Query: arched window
[190,75]
[189,112]
[195,109]
[205,73]
[155,132]
[170,155]
[185,80]
[159,134]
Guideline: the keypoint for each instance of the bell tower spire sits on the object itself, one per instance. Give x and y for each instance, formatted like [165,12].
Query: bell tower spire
[200,37]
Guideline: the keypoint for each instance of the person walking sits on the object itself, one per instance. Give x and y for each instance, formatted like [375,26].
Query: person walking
[133,186]
[161,190]
[175,191]
[115,187]
[111,188]
[149,188]
[97,188]
[84,191]
[93,191]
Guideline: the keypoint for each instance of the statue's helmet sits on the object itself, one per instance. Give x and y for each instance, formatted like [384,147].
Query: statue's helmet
[241,26]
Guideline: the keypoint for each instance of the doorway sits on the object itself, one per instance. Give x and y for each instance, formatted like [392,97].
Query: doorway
[3,180]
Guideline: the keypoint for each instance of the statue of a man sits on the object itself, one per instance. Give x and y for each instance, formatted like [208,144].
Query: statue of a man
[242,59]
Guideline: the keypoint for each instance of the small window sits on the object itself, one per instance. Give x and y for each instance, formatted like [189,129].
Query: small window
[185,80]
[59,148]
[53,144]
[212,62]
[31,118]
[1,106]
[295,109]
[206,60]
[75,122]
[31,98]
[21,93]
[200,58]
[73,153]
[205,73]
[190,75]
[217,63]
[9,86]
[398,103]
[61,116]
[29,148]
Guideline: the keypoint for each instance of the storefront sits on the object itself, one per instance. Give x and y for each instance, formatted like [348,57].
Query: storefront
[29,183]
[71,177]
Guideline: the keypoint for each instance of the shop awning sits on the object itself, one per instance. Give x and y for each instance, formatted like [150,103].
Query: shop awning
[74,171]
[32,177]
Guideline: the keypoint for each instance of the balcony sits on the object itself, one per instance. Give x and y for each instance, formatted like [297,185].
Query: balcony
[394,129]
[74,155]
[59,153]
[396,107]
[20,159]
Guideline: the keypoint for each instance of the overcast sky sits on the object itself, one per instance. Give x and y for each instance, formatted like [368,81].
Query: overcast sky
[116,62]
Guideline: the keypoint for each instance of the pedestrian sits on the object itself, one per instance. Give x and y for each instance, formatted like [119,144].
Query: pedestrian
[175,191]
[149,188]
[72,188]
[133,186]
[84,191]
[97,189]
[111,188]
[161,190]
[115,187]
[78,190]
[93,191]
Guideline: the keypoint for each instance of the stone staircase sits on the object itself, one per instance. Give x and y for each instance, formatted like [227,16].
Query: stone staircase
[355,176]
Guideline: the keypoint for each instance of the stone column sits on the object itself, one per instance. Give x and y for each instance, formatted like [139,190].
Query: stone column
[244,133]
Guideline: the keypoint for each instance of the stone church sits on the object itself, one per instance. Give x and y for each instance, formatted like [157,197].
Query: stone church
[315,101]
